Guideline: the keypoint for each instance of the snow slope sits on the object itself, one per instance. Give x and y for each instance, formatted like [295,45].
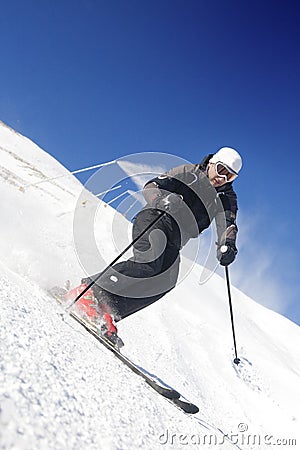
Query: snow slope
[60,390]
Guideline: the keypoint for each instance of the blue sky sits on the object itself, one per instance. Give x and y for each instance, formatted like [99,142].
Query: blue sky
[91,81]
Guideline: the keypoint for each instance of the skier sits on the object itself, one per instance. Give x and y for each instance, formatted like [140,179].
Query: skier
[187,198]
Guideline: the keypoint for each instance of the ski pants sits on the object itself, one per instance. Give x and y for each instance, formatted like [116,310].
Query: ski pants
[132,285]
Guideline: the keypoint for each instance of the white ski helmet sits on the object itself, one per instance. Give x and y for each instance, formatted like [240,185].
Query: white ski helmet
[229,157]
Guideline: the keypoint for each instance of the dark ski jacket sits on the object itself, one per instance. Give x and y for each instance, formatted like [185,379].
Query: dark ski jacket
[203,201]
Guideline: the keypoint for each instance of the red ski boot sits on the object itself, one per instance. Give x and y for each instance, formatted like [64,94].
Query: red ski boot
[109,331]
[97,313]
[86,305]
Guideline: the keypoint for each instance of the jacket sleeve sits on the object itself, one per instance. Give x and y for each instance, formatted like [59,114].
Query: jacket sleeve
[226,218]
[170,181]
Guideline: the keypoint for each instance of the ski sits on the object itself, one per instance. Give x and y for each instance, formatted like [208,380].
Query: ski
[169,393]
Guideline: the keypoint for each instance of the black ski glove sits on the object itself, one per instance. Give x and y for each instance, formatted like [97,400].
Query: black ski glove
[226,254]
[170,203]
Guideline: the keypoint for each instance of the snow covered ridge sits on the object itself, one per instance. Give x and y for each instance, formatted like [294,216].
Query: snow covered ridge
[60,389]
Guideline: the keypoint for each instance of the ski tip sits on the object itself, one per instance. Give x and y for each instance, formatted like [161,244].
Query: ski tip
[187,407]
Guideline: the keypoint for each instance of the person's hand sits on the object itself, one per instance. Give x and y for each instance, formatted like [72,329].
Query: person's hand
[226,254]
[170,203]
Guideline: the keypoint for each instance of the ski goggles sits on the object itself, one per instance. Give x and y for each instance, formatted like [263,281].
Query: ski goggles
[224,171]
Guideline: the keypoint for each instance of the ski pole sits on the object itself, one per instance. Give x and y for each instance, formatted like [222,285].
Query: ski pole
[236,359]
[116,259]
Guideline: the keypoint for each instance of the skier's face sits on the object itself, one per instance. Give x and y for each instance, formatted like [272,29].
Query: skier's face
[215,179]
